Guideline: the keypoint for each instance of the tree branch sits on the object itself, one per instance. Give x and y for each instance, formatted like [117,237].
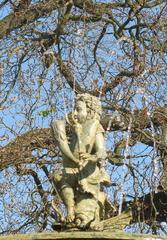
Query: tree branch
[20,150]
[16,20]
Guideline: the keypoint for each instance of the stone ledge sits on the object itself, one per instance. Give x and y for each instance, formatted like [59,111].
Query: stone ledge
[110,235]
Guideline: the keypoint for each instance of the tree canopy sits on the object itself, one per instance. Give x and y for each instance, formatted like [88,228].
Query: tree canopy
[51,50]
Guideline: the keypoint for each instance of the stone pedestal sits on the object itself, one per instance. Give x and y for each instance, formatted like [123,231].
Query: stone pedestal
[110,235]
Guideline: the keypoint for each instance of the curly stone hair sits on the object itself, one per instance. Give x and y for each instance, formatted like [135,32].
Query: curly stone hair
[93,105]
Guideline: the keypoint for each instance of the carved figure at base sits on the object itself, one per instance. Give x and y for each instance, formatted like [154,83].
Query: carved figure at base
[80,137]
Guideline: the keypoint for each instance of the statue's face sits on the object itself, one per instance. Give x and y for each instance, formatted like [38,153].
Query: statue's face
[80,111]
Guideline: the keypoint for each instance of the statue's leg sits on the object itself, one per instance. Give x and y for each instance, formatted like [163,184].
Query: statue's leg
[67,195]
[64,186]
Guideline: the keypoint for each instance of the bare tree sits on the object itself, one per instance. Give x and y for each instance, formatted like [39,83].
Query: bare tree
[52,50]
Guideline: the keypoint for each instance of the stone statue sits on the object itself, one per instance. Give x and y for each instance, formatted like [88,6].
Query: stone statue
[80,137]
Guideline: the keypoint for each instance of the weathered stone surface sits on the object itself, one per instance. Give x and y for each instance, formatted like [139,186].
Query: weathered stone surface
[81,235]
[81,182]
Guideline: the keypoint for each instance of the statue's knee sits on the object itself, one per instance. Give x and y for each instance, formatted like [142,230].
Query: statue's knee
[57,177]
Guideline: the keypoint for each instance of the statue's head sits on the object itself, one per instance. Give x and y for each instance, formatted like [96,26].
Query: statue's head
[87,107]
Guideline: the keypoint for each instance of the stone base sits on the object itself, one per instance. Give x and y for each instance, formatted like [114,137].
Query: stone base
[78,235]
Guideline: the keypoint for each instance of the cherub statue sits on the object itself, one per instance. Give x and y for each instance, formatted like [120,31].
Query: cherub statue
[81,140]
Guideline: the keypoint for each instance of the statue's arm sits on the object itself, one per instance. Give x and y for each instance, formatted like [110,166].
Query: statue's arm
[99,147]
[100,150]
[59,134]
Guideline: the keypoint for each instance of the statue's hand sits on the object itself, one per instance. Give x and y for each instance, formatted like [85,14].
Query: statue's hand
[88,157]
[76,161]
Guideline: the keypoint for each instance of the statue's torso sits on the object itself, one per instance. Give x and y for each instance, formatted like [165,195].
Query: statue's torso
[84,141]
